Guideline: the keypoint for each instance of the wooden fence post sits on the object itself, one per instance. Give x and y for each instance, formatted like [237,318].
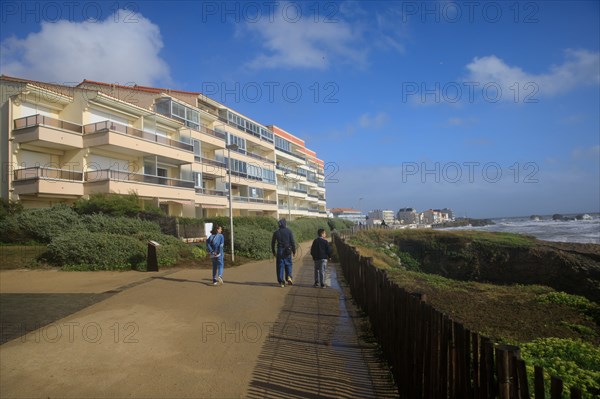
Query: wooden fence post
[539,383]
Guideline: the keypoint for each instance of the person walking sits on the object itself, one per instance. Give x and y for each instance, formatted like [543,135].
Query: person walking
[320,251]
[283,238]
[214,245]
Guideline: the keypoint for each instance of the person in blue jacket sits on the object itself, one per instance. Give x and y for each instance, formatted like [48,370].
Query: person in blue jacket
[214,245]
[286,247]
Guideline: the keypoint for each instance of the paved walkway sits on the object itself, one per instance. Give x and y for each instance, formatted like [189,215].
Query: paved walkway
[174,335]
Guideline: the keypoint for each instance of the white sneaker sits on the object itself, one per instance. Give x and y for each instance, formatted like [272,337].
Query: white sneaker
[215,283]
[220,280]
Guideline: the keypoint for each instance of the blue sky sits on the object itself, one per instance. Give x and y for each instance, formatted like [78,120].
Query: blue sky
[488,108]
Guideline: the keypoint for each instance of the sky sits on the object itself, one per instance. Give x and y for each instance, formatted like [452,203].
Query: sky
[490,108]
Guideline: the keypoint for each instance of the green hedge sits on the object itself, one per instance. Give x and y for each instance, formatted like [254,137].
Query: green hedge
[99,223]
[253,243]
[85,250]
[44,224]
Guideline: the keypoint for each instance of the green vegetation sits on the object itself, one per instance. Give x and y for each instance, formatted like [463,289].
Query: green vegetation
[110,232]
[113,205]
[577,302]
[575,361]
[555,330]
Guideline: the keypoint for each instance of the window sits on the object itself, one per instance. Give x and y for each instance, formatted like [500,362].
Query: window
[283,144]
[241,143]
[255,171]
[268,175]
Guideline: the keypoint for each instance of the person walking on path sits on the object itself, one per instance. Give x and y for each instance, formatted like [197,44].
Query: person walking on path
[214,245]
[286,247]
[320,251]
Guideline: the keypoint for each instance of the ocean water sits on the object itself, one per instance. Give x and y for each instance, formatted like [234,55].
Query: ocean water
[582,231]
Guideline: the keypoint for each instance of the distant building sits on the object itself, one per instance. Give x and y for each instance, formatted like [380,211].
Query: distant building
[449,212]
[385,215]
[435,216]
[349,214]
[408,216]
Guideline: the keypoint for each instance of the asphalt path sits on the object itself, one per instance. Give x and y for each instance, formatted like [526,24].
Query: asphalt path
[172,334]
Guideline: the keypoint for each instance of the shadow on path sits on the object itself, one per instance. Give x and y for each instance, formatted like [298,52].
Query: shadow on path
[21,314]
[314,350]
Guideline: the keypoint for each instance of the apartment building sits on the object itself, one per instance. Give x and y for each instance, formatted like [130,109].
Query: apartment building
[408,216]
[386,215]
[435,216]
[177,150]
[353,215]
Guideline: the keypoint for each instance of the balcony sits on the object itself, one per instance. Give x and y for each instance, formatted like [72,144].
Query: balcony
[210,132]
[62,183]
[215,193]
[127,139]
[207,161]
[253,200]
[303,159]
[108,180]
[44,131]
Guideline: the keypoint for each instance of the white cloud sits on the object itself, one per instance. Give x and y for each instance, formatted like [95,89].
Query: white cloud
[305,43]
[111,50]
[581,68]
[341,34]
[376,121]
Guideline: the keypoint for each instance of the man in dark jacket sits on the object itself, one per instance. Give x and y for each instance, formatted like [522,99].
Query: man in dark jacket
[320,251]
[286,247]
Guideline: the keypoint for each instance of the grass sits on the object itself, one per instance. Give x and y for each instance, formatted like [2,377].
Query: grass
[556,330]
[506,313]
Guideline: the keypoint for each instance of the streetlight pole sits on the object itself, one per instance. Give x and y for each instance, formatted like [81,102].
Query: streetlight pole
[229,148]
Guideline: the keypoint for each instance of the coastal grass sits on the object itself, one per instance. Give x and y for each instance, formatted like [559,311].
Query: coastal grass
[556,330]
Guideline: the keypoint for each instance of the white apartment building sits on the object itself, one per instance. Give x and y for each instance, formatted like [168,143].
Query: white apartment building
[382,215]
[175,149]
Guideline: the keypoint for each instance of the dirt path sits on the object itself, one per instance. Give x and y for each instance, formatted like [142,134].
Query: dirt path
[174,335]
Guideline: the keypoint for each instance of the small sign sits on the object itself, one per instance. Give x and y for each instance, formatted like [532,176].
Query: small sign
[154,243]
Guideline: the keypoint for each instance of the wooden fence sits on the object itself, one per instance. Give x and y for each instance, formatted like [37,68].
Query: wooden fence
[431,355]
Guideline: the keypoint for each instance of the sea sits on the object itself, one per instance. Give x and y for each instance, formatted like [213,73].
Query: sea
[581,231]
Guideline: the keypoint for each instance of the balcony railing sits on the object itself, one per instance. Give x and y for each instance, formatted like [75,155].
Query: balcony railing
[210,132]
[38,172]
[253,200]
[294,208]
[291,153]
[204,191]
[36,120]
[207,161]
[130,131]
[110,174]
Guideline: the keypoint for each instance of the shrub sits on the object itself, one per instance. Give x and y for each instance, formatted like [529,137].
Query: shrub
[99,223]
[258,222]
[170,249]
[199,252]
[10,231]
[81,249]
[9,207]
[109,204]
[253,243]
[576,362]
[44,224]
[577,302]
[408,262]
